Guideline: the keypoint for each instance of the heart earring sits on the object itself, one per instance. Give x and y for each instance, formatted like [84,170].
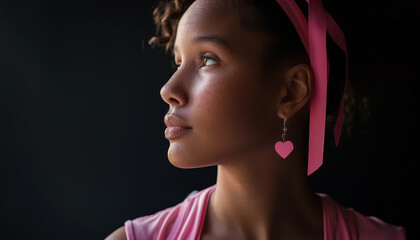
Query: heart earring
[284,148]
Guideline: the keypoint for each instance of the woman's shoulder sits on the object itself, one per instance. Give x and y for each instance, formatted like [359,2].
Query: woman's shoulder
[346,223]
[118,234]
[171,221]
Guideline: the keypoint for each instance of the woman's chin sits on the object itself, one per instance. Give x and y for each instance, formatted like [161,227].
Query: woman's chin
[178,158]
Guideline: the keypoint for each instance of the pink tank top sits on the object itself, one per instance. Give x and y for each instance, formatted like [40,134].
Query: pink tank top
[185,221]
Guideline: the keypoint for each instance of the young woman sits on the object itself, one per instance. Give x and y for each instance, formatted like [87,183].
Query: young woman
[249,95]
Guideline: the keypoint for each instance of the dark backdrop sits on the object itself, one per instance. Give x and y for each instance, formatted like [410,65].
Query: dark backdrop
[81,127]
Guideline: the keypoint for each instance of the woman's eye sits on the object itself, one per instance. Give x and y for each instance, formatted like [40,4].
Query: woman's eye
[208,61]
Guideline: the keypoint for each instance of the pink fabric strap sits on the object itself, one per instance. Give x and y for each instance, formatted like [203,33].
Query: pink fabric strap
[312,33]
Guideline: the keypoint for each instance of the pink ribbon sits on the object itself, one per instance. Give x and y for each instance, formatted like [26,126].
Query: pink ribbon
[312,33]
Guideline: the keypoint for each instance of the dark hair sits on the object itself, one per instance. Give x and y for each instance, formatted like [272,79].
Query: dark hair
[166,17]
[265,16]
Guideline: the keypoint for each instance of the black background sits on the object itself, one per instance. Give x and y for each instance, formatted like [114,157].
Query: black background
[81,127]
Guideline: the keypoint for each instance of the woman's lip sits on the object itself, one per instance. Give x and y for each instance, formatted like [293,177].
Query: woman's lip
[172,132]
[172,120]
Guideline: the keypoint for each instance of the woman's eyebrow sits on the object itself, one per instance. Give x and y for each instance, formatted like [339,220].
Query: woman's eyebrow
[213,39]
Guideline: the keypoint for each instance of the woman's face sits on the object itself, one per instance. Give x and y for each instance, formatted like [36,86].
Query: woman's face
[219,90]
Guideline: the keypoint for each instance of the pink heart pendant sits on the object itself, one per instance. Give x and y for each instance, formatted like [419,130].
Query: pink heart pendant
[284,148]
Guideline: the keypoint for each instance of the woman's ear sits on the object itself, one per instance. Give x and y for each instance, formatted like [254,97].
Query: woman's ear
[296,90]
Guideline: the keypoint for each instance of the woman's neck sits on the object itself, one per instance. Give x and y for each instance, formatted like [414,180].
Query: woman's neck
[264,197]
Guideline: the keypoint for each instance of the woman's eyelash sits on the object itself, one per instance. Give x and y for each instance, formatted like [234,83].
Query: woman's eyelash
[174,65]
[205,58]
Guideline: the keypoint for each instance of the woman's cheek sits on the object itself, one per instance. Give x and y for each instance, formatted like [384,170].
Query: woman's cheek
[220,105]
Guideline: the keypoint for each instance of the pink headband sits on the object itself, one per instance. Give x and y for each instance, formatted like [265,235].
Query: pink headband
[313,32]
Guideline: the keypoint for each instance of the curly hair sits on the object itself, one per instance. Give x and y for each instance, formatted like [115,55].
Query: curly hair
[166,17]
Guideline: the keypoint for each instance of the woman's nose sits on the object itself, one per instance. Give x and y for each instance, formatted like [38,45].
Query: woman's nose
[174,92]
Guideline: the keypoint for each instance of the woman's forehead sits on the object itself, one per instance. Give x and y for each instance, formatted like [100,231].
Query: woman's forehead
[207,15]
[214,18]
